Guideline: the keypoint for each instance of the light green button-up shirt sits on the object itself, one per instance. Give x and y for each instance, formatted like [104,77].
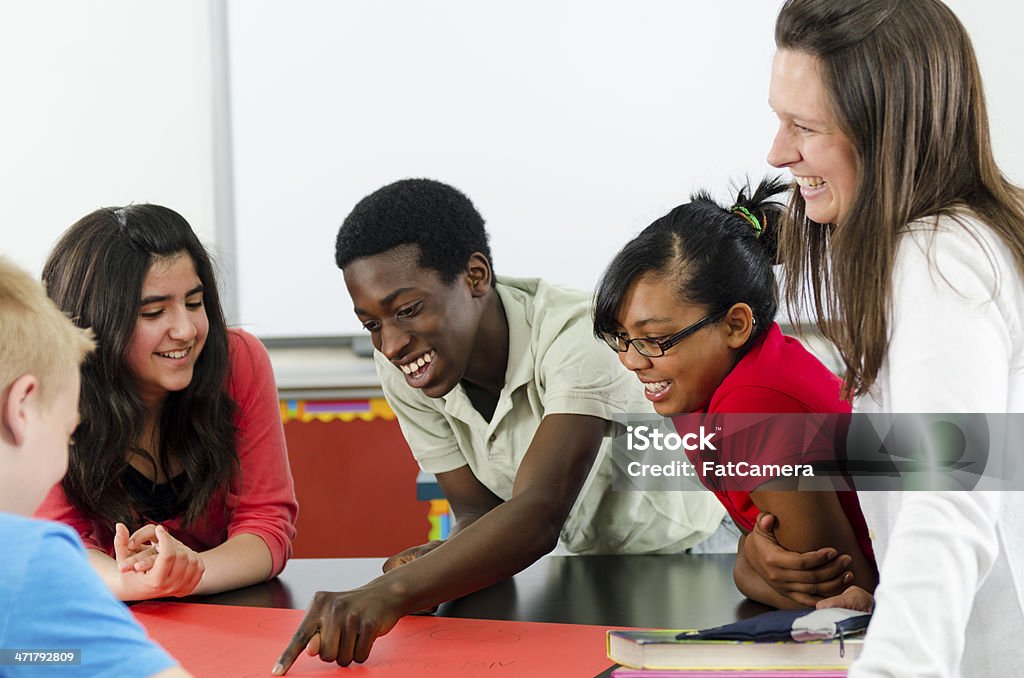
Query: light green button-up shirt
[555,366]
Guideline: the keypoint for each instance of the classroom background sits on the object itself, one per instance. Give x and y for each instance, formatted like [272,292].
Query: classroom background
[570,123]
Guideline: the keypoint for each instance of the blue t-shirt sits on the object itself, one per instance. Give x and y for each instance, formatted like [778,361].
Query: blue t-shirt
[51,599]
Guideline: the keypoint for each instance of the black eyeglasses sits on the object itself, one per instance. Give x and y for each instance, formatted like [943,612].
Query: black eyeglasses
[654,348]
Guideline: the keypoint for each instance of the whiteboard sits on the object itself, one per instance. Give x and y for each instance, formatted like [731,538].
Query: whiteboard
[105,103]
[571,125]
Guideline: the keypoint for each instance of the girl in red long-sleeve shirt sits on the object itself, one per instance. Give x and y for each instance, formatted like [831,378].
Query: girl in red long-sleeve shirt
[178,481]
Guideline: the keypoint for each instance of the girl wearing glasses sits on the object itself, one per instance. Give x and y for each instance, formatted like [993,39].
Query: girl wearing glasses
[689,305]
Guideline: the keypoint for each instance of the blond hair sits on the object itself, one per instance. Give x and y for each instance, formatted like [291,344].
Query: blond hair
[35,337]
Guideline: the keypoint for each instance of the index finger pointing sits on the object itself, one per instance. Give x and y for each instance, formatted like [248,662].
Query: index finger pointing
[307,629]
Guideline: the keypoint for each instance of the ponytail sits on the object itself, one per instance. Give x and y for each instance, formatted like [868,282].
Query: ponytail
[713,255]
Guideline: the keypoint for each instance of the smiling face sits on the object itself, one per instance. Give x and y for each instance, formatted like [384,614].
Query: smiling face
[809,142]
[684,379]
[170,330]
[427,328]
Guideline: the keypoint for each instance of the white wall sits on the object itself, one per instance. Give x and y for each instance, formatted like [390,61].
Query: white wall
[570,123]
[579,119]
[994,27]
[105,102]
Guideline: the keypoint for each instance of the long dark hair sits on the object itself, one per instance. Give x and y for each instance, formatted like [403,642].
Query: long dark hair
[904,86]
[95,275]
[713,255]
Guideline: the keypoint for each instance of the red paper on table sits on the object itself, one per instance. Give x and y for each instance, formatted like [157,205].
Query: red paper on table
[226,640]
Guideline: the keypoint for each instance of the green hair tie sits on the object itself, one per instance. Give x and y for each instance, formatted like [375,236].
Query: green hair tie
[745,213]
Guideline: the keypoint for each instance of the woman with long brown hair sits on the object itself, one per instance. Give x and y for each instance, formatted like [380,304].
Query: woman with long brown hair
[908,241]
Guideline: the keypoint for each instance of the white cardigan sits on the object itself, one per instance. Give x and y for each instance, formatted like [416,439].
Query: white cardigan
[950,600]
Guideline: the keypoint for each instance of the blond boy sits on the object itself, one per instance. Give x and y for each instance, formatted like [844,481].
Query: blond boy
[53,607]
